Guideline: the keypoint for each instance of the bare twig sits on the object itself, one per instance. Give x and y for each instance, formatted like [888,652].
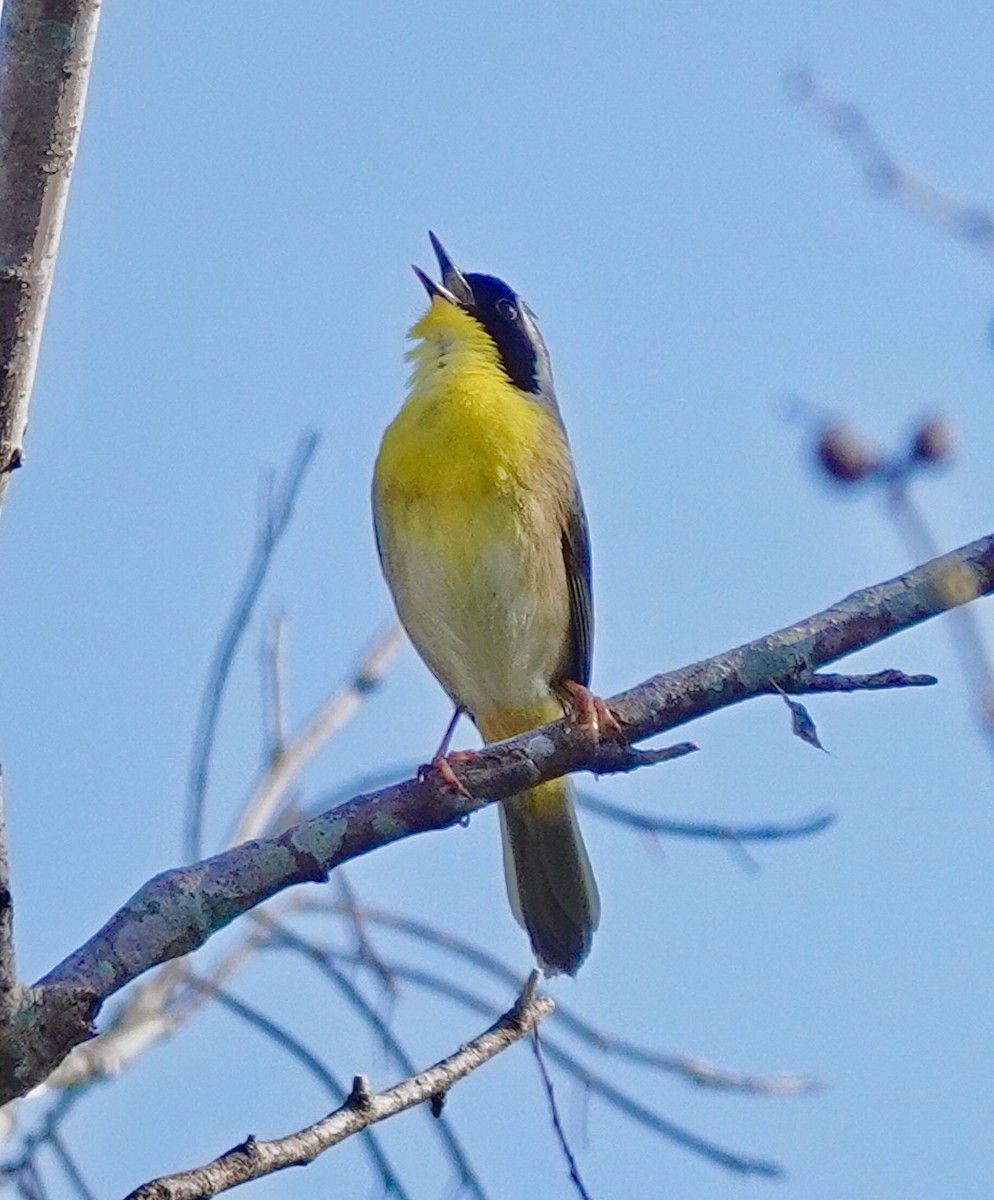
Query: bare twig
[622,1101]
[154,1010]
[964,628]
[271,529]
[325,963]
[255,1158]
[272,661]
[179,910]
[742,1164]
[45,56]
[29,1183]
[645,822]
[68,1164]
[25,1163]
[349,905]
[287,1041]
[696,1070]
[878,681]
[284,767]
[883,174]
[766,831]
[550,1094]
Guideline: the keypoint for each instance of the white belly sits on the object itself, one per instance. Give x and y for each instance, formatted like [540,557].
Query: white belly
[486,610]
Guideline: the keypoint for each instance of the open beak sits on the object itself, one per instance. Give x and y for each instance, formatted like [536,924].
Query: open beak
[452,277]
[454,287]
[434,289]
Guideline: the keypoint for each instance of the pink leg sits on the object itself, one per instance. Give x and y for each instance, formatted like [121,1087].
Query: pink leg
[590,712]
[442,760]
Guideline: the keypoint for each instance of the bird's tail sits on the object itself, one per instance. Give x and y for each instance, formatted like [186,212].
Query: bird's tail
[549,880]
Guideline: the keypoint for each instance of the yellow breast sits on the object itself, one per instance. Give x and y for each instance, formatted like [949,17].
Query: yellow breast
[465,433]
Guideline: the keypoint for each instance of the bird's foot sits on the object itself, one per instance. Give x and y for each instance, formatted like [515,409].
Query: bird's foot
[442,763]
[590,712]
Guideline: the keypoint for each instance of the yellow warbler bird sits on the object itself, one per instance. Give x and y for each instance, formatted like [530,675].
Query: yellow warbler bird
[484,544]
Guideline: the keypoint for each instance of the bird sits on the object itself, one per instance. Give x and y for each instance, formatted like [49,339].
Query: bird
[484,544]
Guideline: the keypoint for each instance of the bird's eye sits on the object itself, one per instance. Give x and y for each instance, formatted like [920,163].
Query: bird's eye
[507,310]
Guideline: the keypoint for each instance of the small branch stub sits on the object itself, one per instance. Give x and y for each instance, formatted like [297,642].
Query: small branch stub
[361,1096]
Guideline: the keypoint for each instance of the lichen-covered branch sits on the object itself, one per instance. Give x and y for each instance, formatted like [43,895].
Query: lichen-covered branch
[46,47]
[254,1158]
[179,910]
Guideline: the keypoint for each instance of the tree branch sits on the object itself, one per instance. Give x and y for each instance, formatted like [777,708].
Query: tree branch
[557,1125]
[287,1041]
[282,936]
[178,911]
[46,47]
[9,989]
[697,1071]
[720,831]
[294,754]
[255,1159]
[623,1101]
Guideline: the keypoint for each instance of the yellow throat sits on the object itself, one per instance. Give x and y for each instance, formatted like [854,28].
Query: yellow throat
[465,428]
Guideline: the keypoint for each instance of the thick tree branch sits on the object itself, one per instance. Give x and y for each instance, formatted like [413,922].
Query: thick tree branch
[255,1159]
[46,47]
[179,910]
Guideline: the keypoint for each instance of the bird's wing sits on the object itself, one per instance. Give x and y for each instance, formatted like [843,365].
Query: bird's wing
[576,558]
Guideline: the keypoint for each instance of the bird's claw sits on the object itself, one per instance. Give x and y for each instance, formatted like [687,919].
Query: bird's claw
[590,712]
[443,765]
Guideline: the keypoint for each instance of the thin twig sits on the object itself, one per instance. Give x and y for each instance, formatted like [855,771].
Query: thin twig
[272,661]
[284,768]
[622,1101]
[69,1165]
[349,905]
[741,1164]
[550,1095]
[968,643]
[255,1158]
[287,1041]
[33,1142]
[767,831]
[324,963]
[883,174]
[29,1183]
[154,1010]
[271,529]
[698,1071]
[878,681]
[609,810]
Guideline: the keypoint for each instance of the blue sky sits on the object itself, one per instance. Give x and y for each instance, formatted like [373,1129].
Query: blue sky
[250,192]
